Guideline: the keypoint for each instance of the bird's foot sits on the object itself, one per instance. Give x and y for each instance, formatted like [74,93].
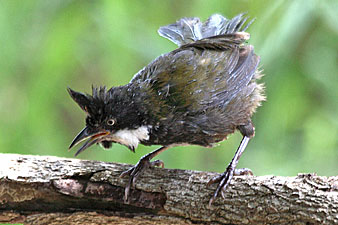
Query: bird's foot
[224,179]
[136,171]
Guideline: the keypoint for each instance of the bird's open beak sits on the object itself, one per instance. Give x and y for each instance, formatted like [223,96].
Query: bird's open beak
[93,138]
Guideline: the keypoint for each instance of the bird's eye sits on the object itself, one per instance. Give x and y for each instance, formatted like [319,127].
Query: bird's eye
[110,122]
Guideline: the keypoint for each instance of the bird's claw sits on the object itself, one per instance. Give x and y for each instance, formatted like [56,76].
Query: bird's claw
[224,180]
[136,171]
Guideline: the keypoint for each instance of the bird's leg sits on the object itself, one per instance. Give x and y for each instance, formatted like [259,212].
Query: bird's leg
[139,168]
[225,178]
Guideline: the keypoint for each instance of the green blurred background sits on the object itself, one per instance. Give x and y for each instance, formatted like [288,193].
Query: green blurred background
[46,46]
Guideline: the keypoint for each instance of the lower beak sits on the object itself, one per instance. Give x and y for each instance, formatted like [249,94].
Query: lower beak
[93,138]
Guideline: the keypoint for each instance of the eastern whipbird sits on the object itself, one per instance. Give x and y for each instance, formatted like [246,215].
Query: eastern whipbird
[197,94]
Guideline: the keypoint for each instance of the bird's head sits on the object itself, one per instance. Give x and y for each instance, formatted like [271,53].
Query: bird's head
[107,120]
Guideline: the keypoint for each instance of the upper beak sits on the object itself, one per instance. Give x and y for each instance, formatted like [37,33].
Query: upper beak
[93,138]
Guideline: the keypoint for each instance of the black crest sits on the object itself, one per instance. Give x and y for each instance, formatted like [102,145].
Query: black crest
[94,103]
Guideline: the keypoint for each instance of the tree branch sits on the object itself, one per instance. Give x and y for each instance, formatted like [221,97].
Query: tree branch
[45,189]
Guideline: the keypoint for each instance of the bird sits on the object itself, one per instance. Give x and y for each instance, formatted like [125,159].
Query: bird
[196,94]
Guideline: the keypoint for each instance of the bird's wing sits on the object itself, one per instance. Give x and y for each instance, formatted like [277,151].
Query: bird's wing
[211,66]
[192,78]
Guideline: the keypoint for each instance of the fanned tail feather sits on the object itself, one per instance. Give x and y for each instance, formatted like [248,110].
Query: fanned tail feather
[189,30]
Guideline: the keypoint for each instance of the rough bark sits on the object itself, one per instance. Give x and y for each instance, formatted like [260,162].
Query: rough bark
[52,190]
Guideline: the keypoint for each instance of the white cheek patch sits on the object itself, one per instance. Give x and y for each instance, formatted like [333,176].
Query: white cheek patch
[131,137]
